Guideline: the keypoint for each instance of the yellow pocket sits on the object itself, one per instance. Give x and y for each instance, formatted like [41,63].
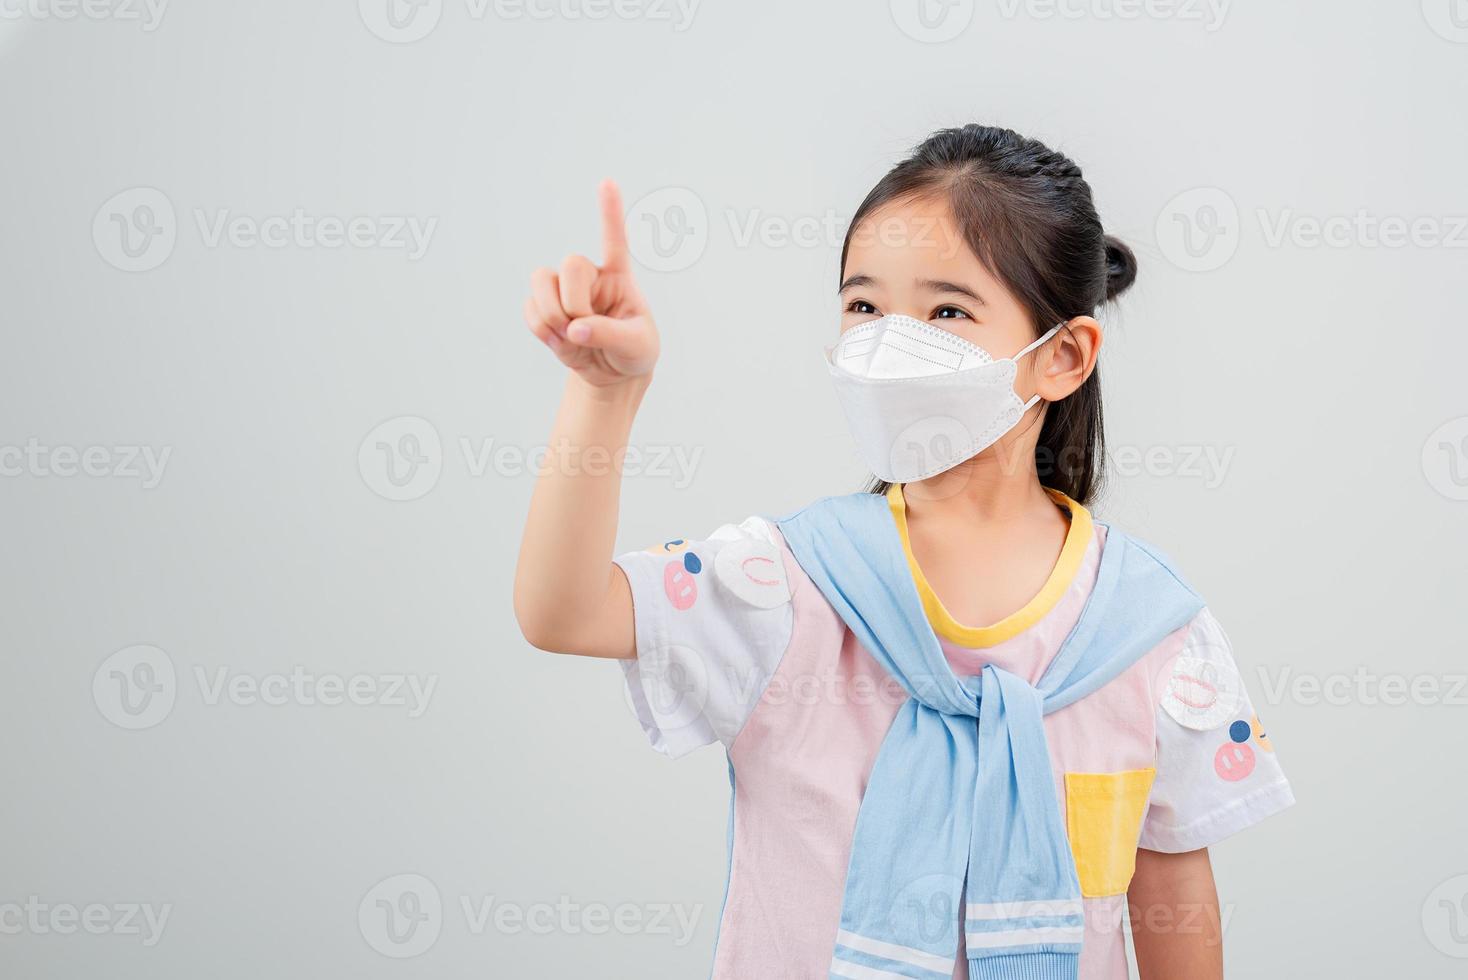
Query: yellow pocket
[1103,815]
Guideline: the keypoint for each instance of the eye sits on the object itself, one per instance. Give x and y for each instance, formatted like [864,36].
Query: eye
[950,313]
[861,306]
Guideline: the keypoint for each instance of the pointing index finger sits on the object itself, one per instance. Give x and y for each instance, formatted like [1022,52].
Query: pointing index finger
[613,227]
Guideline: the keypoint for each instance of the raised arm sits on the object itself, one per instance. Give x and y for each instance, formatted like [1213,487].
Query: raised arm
[569,596]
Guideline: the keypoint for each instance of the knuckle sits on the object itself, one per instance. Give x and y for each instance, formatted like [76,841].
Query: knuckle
[552,315]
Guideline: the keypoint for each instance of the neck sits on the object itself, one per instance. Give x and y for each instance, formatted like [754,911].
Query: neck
[999,485]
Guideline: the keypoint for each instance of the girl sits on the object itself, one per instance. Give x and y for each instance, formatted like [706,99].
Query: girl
[966,723]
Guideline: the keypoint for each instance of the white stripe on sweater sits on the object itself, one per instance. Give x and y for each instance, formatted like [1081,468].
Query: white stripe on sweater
[857,972]
[899,954]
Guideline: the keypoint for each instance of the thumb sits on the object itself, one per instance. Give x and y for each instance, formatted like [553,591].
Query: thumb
[622,338]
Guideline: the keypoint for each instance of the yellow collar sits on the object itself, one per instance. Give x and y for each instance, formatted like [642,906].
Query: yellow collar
[1077,539]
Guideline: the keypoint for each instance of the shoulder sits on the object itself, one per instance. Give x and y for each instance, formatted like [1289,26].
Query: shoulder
[836,506]
[1142,564]
[741,563]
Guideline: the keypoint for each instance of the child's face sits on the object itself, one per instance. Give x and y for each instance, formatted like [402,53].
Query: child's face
[910,257]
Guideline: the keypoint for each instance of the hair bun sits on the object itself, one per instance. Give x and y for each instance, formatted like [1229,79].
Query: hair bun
[1121,267]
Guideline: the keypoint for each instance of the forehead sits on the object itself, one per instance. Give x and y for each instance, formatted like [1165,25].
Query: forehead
[912,238]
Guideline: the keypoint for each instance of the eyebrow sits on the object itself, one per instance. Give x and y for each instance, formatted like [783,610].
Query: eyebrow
[933,285]
[943,286]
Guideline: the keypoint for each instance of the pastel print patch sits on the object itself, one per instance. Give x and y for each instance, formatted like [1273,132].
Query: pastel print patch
[1233,761]
[678,580]
[1202,694]
[1259,735]
[669,547]
[754,571]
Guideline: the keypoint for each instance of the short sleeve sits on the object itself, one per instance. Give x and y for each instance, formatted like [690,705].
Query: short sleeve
[713,620]
[1217,771]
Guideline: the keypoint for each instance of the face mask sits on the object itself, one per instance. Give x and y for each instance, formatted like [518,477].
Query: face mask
[921,400]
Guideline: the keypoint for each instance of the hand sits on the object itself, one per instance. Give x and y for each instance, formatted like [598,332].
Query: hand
[594,318]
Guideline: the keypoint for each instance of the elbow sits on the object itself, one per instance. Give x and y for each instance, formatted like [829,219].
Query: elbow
[537,625]
[570,621]
[549,626]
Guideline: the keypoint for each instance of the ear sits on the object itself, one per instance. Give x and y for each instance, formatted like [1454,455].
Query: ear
[1065,362]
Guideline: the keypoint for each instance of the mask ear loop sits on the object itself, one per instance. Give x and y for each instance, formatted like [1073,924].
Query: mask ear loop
[1037,342]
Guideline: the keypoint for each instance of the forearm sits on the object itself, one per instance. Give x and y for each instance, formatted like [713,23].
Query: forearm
[1173,905]
[569,597]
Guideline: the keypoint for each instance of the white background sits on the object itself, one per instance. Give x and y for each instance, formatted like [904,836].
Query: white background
[1324,377]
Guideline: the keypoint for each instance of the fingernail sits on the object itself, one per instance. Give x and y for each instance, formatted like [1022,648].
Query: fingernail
[578,332]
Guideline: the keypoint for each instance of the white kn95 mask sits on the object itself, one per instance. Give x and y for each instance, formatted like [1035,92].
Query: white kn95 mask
[920,400]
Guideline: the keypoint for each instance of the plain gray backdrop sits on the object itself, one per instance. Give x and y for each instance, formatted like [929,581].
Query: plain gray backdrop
[269,412]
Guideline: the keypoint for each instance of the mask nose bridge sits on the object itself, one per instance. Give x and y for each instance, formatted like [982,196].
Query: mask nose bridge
[900,325]
[879,327]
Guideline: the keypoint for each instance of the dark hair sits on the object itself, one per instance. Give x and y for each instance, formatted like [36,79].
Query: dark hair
[1026,212]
